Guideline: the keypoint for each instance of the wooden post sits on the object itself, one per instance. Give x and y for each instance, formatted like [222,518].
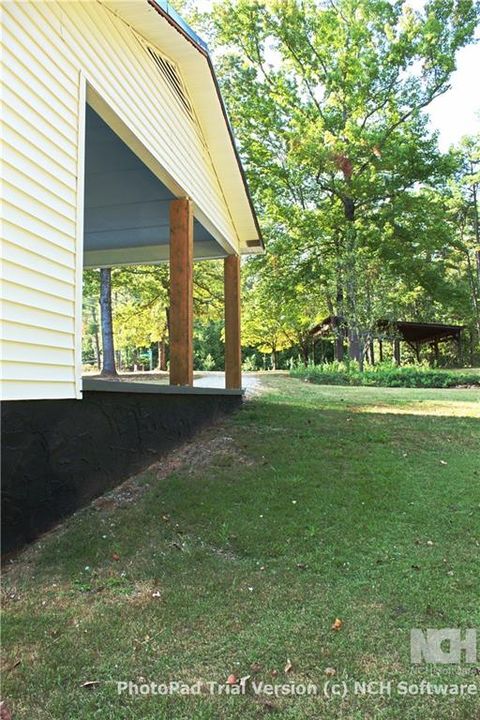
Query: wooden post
[396,351]
[181,292]
[380,350]
[233,350]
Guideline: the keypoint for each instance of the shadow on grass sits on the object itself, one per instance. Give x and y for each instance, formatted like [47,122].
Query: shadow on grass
[246,556]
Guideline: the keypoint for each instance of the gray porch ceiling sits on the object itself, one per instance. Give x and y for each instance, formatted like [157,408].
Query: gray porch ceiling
[126,206]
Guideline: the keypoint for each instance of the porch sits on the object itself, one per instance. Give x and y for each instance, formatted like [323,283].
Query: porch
[133,216]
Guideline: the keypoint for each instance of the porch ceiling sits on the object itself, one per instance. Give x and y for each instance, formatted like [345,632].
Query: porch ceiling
[126,206]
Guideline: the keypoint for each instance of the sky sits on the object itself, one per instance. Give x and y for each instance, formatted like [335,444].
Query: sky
[457,112]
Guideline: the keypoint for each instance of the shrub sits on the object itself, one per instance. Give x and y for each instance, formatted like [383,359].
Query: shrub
[208,363]
[250,363]
[384,375]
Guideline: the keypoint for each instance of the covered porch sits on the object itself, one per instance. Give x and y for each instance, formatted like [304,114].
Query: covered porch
[134,216]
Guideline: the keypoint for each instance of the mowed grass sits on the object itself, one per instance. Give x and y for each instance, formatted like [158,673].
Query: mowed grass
[311,503]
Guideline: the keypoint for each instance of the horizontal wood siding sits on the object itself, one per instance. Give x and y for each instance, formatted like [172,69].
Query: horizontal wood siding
[47,48]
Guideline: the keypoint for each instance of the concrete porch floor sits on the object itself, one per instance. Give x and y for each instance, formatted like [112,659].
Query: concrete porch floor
[202,379]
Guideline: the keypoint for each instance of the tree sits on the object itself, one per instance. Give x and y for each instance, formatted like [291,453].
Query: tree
[465,212]
[139,305]
[327,101]
[90,297]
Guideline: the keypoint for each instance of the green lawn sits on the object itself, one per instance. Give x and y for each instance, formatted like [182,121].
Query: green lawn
[311,503]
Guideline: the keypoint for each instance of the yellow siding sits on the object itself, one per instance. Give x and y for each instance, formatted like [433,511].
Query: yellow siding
[51,51]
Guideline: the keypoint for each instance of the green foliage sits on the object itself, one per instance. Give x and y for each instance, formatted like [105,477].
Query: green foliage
[208,348]
[383,375]
[140,303]
[329,104]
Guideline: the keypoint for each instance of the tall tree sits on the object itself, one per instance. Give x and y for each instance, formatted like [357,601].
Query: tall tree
[465,209]
[327,100]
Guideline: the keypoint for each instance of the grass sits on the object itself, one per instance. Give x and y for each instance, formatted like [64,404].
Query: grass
[386,375]
[311,503]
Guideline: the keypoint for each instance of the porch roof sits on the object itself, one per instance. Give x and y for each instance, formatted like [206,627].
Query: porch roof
[161,25]
[127,207]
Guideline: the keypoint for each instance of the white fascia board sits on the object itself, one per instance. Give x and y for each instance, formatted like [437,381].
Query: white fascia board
[197,73]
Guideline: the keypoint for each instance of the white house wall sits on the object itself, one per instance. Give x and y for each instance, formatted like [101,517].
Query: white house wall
[50,52]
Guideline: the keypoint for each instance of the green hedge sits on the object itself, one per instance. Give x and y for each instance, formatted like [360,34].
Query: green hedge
[385,375]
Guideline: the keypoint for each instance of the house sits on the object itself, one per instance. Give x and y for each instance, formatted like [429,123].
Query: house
[116,150]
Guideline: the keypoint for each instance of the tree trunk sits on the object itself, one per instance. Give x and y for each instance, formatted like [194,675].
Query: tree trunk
[396,352]
[96,338]
[273,358]
[476,228]
[337,324]
[354,339]
[338,349]
[108,368]
[304,349]
[162,354]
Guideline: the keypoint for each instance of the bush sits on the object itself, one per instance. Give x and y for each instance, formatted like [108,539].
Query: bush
[208,363]
[250,363]
[384,375]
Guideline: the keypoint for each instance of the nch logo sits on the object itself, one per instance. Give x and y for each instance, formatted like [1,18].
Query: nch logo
[443,646]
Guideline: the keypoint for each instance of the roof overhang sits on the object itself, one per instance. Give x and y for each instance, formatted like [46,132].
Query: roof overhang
[421,332]
[160,25]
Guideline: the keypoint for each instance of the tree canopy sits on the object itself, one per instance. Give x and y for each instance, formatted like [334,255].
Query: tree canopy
[363,216]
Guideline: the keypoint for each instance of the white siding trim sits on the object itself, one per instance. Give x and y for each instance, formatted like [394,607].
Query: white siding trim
[81,117]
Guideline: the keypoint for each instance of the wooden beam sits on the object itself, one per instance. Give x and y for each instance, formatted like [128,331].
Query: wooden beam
[233,349]
[181,292]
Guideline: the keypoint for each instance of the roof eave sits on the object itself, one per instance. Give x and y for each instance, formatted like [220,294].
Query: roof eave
[163,8]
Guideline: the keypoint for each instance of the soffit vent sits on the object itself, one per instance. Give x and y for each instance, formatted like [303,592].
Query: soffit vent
[170,73]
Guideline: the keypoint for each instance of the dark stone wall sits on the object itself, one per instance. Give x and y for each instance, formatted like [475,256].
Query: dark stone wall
[59,454]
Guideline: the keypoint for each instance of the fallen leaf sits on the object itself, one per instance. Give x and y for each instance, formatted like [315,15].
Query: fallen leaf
[5,713]
[274,673]
[90,683]
[232,680]
[330,672]
[288,667]
[115,556]
[443,462]
[255,667]
[337,624]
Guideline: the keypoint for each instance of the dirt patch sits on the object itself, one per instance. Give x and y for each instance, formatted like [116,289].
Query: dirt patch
[209,448]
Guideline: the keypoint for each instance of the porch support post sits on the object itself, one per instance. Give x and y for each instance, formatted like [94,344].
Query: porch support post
[233,351]
[181,292]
